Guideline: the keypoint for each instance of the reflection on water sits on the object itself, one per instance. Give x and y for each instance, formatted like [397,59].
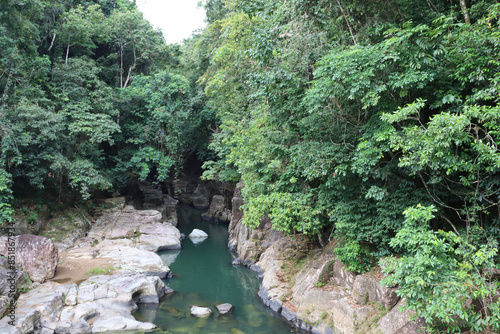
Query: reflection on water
[169,257]
[203,276]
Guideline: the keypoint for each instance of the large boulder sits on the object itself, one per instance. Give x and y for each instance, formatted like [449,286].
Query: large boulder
[37,255]
[159,237]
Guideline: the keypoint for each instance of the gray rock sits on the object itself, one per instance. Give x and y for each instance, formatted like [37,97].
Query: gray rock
[274,304]
[218,212]
[158,237]
[225,308]
[342,276]
[4,303]
[197,234]
[398,321]
[200,312]
[237,262]
[7,285]
[367,289]
[156,243]
[201,196]
[116,319]
[37,255]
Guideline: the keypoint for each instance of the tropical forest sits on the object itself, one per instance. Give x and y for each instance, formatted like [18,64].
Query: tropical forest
[368,128]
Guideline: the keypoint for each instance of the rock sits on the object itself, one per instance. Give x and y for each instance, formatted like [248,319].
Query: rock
[270,301]
[107,303]
[156,243]
[342,276]
[124,259]
[37,255]
[25,322]
[200,312]
[183,189]
[197,234]
[237,262]
[160,229]
[128,259]
[225,308]
[121,232]
[367,289]
[159,237]
[236,215]
[148,216]
[217,211]
[153,198]
[398,322]
[7,285]
[201,196]
[4,303]
[117,320]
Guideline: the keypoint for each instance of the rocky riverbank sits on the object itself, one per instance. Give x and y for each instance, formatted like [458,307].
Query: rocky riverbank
[312,289]
[118,254]
[91,281]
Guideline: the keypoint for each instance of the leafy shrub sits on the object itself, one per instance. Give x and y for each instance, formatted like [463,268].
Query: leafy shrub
[446,277]
[354,256]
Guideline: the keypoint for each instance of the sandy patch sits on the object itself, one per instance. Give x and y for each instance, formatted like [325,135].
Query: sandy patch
[71,270]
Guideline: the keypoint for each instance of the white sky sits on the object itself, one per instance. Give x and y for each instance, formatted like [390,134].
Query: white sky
[176,18]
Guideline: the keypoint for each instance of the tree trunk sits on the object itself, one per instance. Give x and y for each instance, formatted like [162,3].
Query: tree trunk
[463,5]
[348,24]
[67,54]
[121,65]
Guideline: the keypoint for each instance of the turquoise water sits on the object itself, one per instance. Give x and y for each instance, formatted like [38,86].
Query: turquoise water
[204,276]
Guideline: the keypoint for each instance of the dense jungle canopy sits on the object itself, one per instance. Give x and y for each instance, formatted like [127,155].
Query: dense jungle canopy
[372,123]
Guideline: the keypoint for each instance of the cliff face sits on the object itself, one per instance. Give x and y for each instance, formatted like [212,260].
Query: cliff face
[312,289]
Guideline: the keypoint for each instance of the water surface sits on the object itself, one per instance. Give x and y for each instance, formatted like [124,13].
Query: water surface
[204,276]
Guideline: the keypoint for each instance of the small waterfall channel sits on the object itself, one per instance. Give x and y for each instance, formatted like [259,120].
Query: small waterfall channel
[204,276]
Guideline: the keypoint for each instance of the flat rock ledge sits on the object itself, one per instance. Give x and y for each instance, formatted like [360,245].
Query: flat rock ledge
[101,303]
[125,240]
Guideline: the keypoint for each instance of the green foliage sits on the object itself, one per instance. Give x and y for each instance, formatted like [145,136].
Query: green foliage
[65,126]
[354,256]
[339,116]
[288,212]
[6,211]
[100,271]
[84,177]
[441,273]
